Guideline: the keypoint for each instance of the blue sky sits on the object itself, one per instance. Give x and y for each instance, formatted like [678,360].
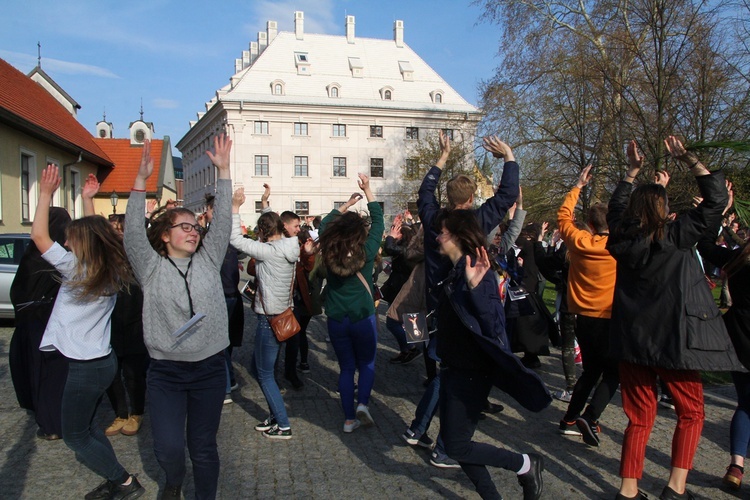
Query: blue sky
[174,55]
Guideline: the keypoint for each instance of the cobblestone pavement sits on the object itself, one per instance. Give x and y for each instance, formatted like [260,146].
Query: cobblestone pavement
[323,462]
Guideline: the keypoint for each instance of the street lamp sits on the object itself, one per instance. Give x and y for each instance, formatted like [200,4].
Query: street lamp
[113,199]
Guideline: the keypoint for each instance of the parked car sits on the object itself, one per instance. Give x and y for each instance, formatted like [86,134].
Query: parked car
[12,247]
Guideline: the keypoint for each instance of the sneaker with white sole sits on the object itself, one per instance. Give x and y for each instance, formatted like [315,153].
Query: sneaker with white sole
[443,461]
[589,430]
[277,432]
[363,415]
[266,424]
[412,439]
[348,428]
[228,399]
[569,428]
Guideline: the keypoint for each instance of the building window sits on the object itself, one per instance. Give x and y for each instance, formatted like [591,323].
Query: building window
[412,133]
[382,205]
[412,168]
[277,87]
[302,207]
[376,131]
[448,132]
[387,95]
[376,167]
[258,207]
[334,92]
[261,127]
[339,167]
[300,128]
[338,204]
[339,130]
[261,165]
[412,207]
[27,167]
[438,98]
[300,166]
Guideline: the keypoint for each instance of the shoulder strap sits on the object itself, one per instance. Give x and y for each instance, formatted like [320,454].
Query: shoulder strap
[364,282]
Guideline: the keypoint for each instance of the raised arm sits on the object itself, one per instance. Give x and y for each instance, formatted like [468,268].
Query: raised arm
[565,219]
[90,188]
[40,227]
[140,253]
[216,240]
[492,211]
[264,197]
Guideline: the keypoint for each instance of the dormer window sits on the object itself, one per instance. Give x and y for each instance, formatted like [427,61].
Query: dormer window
[386,93]
[407,71]
[334,90]
[437,96]
[355,64]
[302,61]
[277,87]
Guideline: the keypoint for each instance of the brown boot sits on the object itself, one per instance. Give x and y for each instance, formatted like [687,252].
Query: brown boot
[132,425]
[115,427]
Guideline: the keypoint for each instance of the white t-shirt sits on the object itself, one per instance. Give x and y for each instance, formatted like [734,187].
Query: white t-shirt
[78,329]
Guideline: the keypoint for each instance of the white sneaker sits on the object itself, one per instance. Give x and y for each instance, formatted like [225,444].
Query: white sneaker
[350,427]
[363,414]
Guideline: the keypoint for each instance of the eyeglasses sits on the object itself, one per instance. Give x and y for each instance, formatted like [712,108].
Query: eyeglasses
[187,227]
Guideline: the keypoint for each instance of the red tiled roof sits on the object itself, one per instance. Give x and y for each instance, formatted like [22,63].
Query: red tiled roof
[31,105]
[127,159]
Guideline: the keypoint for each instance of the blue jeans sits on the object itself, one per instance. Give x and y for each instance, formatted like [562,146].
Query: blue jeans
[397,329]
[739,431]
[84,387]
[426,410]
[231,304]
[192,392]
[463,395]
[261,368]
[355,345]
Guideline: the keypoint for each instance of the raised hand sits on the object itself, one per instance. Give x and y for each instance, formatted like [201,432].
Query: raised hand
[730,192]
[679,153]
[363,182]
[151,206]
[585,177]
[445,143]
[146,167]
[498,148]
[545,225]
[662,178]
[238,197]
[266,192]
[635,158]
[475,273]
[50,180]
[220,156]
[90,187]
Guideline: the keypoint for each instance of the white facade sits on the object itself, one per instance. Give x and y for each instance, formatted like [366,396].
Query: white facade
[307,112]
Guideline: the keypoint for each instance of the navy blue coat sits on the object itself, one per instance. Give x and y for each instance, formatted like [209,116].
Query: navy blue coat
[481,312]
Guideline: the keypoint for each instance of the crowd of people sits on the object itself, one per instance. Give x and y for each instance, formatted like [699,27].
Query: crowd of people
[132,307]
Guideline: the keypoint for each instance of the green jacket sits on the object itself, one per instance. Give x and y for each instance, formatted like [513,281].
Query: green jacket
[346,296]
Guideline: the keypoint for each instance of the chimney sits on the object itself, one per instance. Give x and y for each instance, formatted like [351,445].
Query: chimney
[253,52]
[237,65]
[262,41]
[299,24]
[398,33]
[350,29]
[272,28]
[245,59]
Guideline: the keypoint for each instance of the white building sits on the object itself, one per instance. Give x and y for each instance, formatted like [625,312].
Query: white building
[307,112]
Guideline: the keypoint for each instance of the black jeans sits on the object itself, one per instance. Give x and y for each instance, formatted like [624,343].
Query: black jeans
[129,382]
[462,398]
[593,338]
[188,395]
[568,334]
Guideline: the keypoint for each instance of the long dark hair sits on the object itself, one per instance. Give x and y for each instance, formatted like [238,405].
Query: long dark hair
[103,267]
[464,226]
[648,206]
[342,244]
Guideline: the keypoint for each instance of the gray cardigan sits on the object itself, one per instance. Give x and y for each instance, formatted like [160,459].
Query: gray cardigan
[165,297]
[274,268]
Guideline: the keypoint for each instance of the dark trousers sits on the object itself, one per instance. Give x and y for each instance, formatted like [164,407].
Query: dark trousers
[297,344]
[84,388]
[593,337]
[129,382]
[188,392]
[463,395]
[568,335]
[739,431]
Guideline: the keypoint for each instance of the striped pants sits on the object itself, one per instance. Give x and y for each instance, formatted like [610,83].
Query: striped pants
[638,387]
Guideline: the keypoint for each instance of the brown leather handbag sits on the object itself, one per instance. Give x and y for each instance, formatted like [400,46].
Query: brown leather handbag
[284,324]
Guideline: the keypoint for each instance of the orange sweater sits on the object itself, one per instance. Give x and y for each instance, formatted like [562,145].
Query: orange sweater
[591,279]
